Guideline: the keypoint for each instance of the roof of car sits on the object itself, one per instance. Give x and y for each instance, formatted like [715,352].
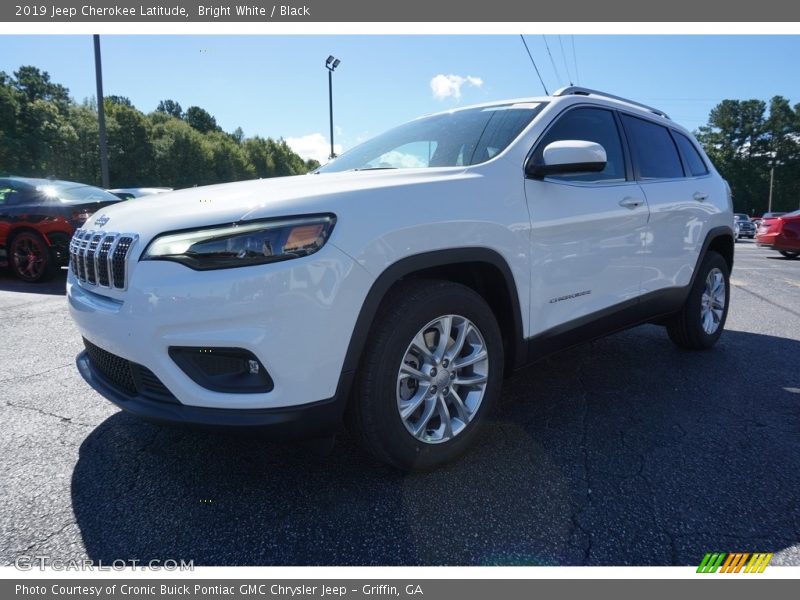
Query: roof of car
[40,181]
[572,92]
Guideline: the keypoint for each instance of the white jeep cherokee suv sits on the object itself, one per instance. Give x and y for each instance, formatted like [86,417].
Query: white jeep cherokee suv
[396,286]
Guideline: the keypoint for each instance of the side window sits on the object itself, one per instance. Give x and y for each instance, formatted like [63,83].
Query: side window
[590,125]
[9,194]
[694,161]
[653,148]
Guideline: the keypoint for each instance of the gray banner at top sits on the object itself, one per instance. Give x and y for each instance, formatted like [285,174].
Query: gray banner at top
[405,10]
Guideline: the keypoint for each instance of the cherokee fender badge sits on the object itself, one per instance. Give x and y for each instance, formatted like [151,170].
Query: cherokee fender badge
[570,296]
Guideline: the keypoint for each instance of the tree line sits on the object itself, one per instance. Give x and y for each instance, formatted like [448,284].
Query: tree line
[44,133]
[746,139]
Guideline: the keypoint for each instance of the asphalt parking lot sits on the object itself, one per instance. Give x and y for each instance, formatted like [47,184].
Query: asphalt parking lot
[623,451]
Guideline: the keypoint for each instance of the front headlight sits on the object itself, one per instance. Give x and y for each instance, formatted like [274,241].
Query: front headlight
[243,244]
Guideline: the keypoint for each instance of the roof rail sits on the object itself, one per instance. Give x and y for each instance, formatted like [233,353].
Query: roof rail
[574,90]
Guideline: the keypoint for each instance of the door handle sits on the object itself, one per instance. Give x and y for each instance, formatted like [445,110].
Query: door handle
[700,196]
[629,202]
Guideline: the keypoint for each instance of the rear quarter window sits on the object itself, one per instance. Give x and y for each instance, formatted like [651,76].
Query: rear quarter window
[697,166]
[653,148]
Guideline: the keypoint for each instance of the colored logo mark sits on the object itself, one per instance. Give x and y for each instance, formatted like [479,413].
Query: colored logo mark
[734,562]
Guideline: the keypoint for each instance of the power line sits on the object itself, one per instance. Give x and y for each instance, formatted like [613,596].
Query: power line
[533,62]
[552,62]
[564,56]
[575,61]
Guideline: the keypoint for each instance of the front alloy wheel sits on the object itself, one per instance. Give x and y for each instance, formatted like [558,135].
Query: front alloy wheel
[431,369]
[442,379]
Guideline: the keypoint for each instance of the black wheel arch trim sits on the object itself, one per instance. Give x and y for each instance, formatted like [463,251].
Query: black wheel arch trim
[713,234]
[427,260]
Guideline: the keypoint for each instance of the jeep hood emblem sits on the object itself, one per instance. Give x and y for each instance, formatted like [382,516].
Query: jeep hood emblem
[101,220]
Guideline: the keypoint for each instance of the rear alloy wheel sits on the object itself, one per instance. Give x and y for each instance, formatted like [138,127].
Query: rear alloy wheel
[431,370]
[701,320]
[790,253]
[30,258]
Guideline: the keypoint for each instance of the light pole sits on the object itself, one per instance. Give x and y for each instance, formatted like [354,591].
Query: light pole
[101,113]
[331,63]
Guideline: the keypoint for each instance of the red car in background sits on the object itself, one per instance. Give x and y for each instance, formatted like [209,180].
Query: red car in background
[781,234]
[37,220]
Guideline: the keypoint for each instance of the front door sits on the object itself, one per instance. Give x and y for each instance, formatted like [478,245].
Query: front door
[588,229]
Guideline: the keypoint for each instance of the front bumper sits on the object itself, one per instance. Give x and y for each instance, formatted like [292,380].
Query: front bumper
[309,420]
[295,316]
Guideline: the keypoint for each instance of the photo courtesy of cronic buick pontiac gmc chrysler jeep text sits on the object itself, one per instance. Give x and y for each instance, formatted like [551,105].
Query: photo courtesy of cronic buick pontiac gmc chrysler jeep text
[394,288]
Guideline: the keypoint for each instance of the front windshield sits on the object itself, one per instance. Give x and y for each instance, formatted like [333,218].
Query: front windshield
[742,217]
[454,139]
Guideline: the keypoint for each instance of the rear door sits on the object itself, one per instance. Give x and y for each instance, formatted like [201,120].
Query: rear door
[587,229]
[680,192]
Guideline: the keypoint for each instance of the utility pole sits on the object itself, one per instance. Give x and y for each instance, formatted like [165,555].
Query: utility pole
[771,179]
[101,113]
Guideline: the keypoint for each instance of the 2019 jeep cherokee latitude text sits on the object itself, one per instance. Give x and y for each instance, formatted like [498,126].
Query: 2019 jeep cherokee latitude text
[394,288]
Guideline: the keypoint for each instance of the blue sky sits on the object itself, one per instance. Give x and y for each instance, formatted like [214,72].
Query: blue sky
[277,85]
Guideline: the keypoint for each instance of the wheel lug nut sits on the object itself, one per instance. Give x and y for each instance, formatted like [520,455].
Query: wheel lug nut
[446,391]
[445,363]
[433,389]
[433,372]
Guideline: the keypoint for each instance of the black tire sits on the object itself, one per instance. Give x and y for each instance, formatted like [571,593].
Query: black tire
[686,328]
[373,413]
[790,253]
[30,258]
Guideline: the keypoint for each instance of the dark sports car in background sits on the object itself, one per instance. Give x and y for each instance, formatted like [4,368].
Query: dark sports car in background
[781,234]
[37,220]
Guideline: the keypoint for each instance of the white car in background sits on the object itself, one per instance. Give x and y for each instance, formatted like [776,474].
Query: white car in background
[395,287]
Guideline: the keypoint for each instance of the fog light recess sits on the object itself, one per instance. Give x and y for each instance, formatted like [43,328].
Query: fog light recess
[229,370]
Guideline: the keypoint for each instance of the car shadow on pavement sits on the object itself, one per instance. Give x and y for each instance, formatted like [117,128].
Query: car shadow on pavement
[623,451]
[54,287]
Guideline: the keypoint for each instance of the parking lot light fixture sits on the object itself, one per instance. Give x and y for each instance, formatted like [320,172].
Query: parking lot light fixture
[331,63]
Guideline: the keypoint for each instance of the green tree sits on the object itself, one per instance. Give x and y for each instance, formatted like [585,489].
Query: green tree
[43,132]
[200,119]
[84,162]
[119,100]
[745,140]
[130,149]
[171,108]
[181,157]
[10,137]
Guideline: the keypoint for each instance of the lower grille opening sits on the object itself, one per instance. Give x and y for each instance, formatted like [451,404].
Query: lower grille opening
[126,376]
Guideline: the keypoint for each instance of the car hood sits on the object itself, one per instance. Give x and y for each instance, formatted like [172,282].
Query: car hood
[260,198]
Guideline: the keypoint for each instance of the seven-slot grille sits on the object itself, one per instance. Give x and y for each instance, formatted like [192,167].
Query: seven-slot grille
[101,258]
